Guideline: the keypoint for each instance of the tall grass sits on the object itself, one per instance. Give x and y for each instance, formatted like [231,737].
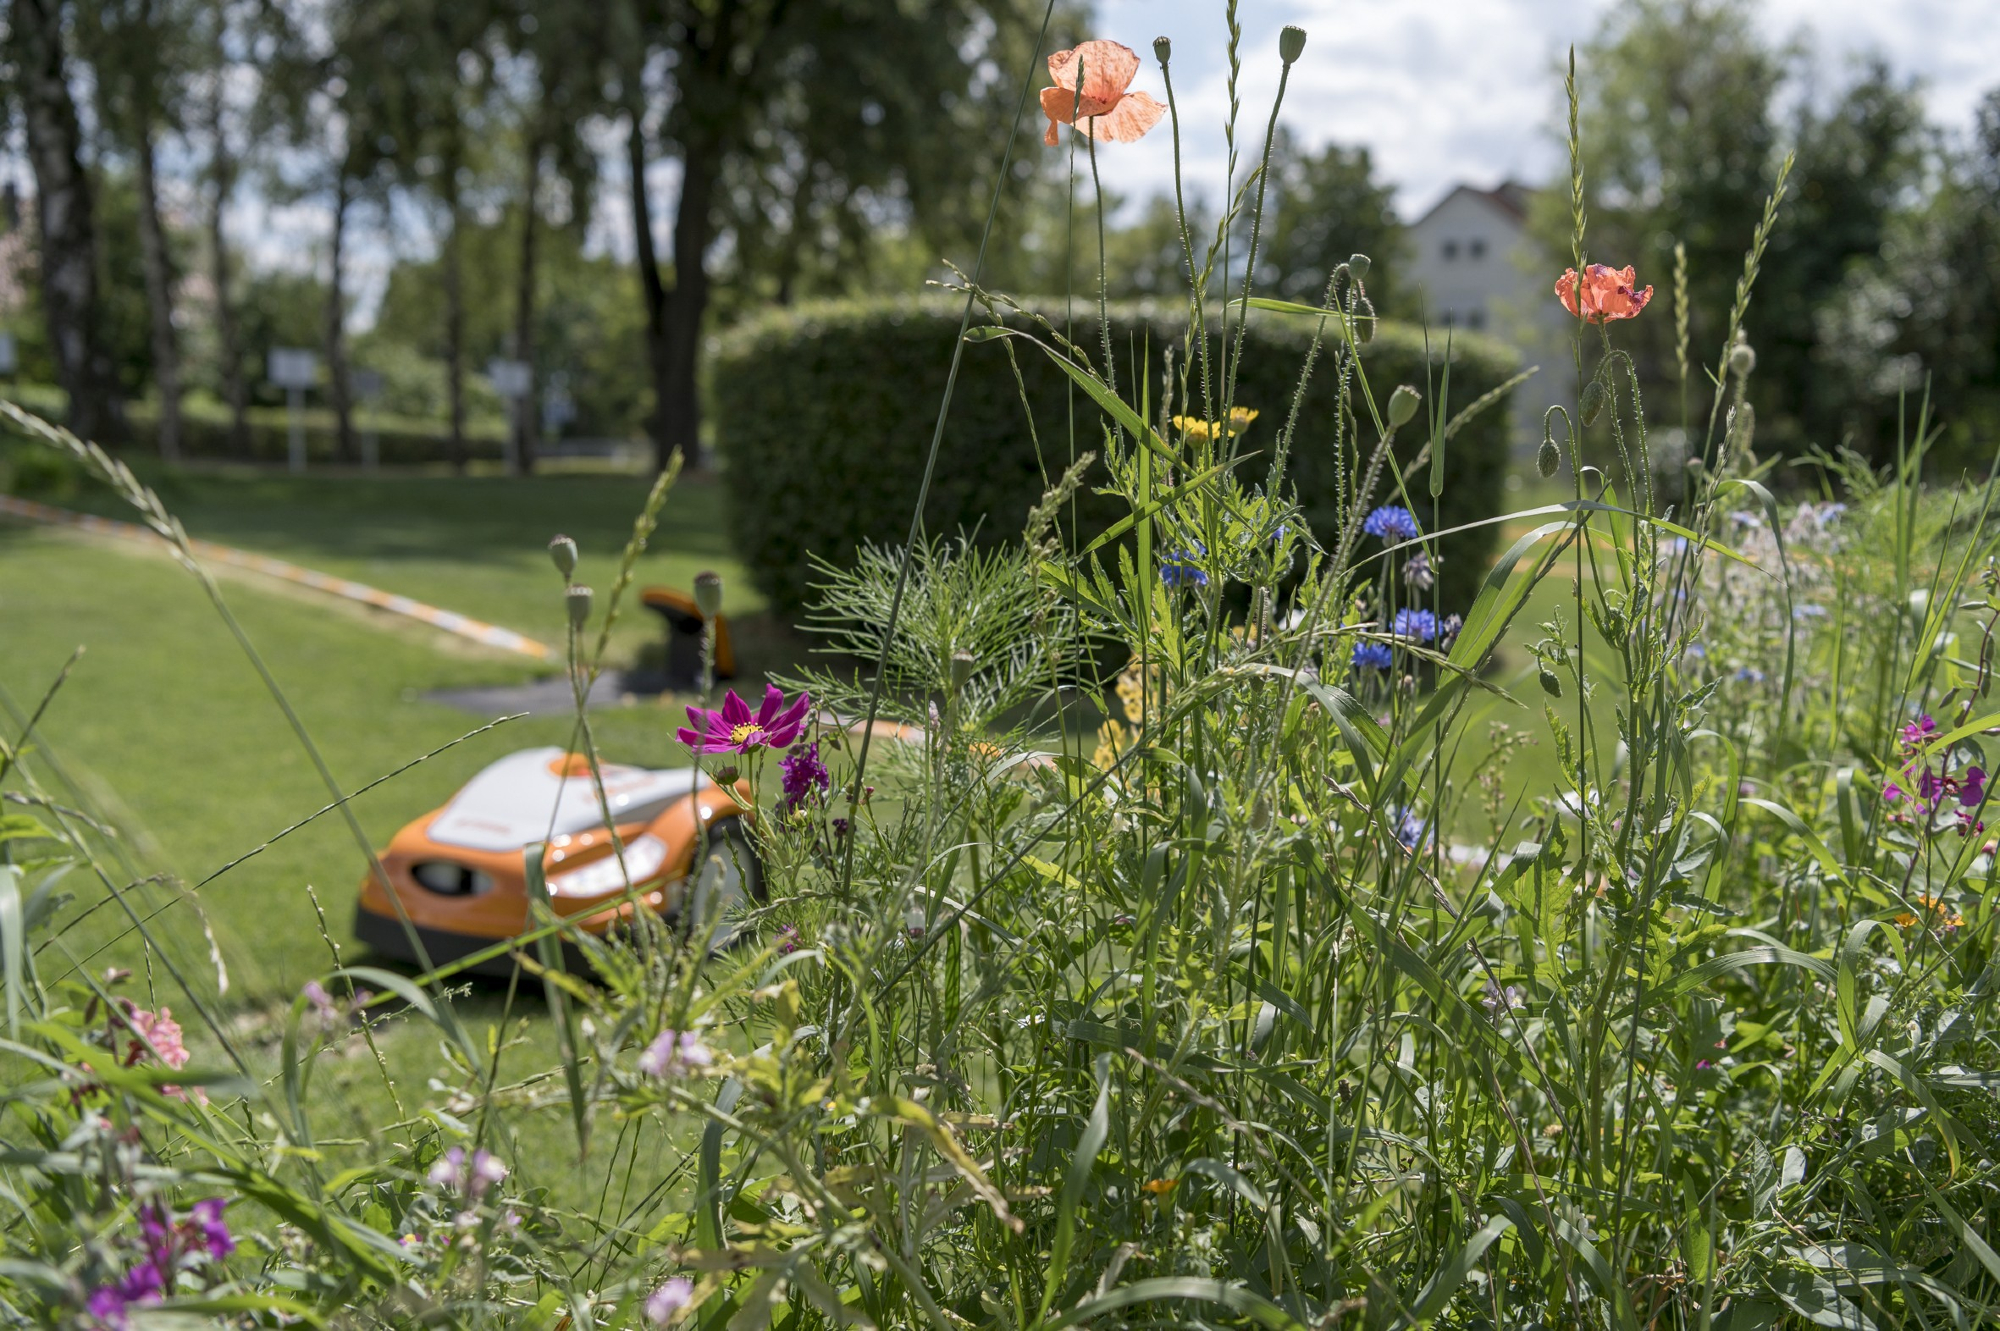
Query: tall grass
[1220,1017]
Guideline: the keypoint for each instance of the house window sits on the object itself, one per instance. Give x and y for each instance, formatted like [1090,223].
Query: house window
[1451,249]
[1476,248]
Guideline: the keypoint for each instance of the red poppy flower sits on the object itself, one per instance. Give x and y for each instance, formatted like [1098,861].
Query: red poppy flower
[1107,111]
[1607,293]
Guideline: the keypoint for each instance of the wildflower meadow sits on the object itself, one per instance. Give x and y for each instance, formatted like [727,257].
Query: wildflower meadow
[1203,923]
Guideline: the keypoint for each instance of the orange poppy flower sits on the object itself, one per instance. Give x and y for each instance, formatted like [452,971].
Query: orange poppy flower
[1107,111]
[1607,293]
[1160,1187]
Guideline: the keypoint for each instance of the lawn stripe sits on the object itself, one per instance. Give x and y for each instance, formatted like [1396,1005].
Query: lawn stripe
[450,621]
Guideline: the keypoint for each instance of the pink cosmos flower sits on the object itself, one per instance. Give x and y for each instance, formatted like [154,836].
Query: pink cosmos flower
[1107,111]
[1607,293]
[735,729]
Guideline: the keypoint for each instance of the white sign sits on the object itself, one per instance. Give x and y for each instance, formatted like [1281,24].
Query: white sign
[293,367]
[10,359]
[511,378]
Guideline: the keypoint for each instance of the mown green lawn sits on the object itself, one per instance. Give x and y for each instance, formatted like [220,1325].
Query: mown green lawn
[164,723]
[164,728]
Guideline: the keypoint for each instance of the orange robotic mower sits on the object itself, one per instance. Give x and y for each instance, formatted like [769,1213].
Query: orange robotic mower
[459,874]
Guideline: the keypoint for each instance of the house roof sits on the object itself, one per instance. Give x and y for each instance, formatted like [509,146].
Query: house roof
[1509,197]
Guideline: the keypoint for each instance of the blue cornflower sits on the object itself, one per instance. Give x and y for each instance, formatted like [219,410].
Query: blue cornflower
[1419,624]
[1412,829]
[1392,522]
[1177,567]
[1372,656]
[1750,674]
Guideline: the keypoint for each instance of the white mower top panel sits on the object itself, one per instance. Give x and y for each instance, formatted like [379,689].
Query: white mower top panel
[525,798]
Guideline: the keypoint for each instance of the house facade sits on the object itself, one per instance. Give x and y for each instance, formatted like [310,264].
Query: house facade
[1477,269]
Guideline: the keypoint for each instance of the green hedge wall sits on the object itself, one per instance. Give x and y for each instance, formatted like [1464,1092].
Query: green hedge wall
[824,415]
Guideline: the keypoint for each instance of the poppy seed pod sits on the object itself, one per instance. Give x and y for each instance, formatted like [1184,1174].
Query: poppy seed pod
[708,593]
[577,601]
[1742,357]
[1402,405]
[563,551]
[1548,458]
[1358,265]
[1163,49]
[1592,405]
[961,669]
[1291,43]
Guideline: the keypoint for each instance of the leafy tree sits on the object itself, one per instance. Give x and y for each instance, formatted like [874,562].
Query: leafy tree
[40,82]
[141,53]
[1681,141]
[1938,314]
[1323,207]
[824,116]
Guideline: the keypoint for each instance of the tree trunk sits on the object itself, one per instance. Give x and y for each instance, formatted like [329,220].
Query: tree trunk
[525,418]
[336,323]
[650,287]
[454,314]
[679,410]
[159,297]
[222,172]
[63,213]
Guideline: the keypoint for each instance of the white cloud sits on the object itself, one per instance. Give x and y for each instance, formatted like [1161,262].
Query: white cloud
[1467,89]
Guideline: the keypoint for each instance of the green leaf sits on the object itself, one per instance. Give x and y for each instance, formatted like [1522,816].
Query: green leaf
[1444,1282]
[13,944]
[1194,1289]
[1095,1133]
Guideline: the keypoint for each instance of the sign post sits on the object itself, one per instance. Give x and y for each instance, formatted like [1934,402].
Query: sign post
[558,407]
[368,386]
[294,369]
[513,380]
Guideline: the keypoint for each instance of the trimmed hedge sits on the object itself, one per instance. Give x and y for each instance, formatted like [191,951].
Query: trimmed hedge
[824,416]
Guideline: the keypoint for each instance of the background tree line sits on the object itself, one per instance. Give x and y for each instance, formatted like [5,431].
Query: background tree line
[748,152]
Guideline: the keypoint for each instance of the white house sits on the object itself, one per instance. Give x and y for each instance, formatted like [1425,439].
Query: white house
[1475,268]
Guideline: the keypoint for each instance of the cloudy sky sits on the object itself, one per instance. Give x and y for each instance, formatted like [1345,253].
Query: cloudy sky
[1449,90]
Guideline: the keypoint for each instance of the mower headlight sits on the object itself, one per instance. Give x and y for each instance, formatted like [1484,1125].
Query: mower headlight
[644,857]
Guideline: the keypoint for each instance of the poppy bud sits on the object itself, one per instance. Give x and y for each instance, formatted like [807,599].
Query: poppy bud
[1163,49]
[1548,459]
[708,594]
[1358,265]
[1742,357]
[961,669]
[563,551]
[1402,405]
[1551,682]
[1592,405]
[1291,43]
[577,601]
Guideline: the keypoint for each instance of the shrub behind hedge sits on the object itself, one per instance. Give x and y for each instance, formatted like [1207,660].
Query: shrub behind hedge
[824,416]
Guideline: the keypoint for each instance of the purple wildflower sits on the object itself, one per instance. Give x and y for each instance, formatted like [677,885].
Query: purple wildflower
[804,775]
[206,1216]
[788,939]
[664,1303]
[675,1054]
